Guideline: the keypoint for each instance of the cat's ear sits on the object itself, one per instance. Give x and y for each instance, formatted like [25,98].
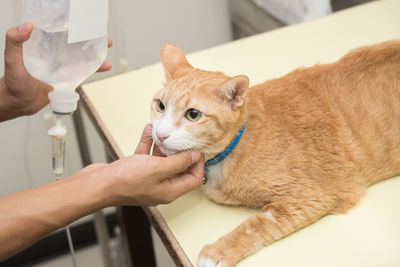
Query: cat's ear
[234,90]
[173,59]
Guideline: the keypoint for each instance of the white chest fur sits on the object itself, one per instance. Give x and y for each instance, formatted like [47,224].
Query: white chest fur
[213,188]
[214,176]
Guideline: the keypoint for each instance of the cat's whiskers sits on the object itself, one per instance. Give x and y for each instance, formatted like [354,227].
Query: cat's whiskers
[215,152]
[211,154]
[209,145]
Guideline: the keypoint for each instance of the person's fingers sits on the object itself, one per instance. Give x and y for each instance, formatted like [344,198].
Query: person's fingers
[181,184]
[15,37]
[18,35]
[197,169]
[110,43]
[107,65]
[146,141]
[157,152]
[172,165]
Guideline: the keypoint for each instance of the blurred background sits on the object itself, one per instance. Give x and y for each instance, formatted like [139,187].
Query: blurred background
[138,30]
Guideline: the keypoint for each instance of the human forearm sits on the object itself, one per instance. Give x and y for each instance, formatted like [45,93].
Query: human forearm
[139,179]
[30,215]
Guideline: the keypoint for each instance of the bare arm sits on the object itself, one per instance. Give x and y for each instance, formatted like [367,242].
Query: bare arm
[28,216]
[140,179]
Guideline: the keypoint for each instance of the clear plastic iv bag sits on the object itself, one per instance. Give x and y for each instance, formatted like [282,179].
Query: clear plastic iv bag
[49,57]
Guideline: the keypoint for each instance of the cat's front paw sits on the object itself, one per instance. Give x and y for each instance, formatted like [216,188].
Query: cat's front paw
[212,256]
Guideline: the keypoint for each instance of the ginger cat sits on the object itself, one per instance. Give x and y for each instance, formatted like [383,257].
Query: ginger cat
[312,142]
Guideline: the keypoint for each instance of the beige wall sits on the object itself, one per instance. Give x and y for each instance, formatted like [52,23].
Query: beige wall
[138,29]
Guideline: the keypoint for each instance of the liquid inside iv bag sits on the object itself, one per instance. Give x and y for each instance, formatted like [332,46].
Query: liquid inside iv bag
[49,58]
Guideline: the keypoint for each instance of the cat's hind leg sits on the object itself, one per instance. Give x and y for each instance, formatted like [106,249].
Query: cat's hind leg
[276,220]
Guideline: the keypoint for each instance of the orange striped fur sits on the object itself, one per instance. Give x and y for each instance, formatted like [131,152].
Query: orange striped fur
[314,139]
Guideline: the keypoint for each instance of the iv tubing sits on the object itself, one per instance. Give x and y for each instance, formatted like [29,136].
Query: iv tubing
[69,236]
[59,133]
[71,246]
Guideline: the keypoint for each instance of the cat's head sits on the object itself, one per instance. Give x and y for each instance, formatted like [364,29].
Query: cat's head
[196,109]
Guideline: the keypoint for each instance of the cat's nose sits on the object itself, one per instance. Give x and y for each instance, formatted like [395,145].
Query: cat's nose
[162,137]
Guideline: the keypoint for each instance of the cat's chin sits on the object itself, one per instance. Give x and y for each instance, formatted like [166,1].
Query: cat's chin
[167,151]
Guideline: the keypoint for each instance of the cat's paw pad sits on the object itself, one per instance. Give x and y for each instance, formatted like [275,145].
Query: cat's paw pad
[209,257]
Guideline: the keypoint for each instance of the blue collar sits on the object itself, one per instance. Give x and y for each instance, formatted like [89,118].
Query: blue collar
[221,156]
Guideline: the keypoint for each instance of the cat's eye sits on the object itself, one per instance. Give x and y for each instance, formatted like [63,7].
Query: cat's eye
[193,114]
[160,106]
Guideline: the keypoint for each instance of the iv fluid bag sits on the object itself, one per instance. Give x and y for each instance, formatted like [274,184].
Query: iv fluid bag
[50,58]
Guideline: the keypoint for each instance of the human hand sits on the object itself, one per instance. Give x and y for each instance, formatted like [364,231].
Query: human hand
[147,180]
[25,95]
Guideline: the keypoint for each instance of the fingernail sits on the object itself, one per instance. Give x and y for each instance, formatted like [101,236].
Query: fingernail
[23,28]
[195,155]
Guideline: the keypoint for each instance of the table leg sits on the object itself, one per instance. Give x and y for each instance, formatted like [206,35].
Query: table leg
[136,232]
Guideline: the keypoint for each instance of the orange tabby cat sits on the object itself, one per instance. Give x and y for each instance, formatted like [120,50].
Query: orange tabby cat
[313,140]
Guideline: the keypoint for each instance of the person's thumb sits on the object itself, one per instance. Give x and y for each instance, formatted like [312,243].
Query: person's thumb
[178,163]
[146,141]
[14,39]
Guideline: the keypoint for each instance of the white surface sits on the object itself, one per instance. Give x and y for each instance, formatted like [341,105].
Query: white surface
[369,235]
